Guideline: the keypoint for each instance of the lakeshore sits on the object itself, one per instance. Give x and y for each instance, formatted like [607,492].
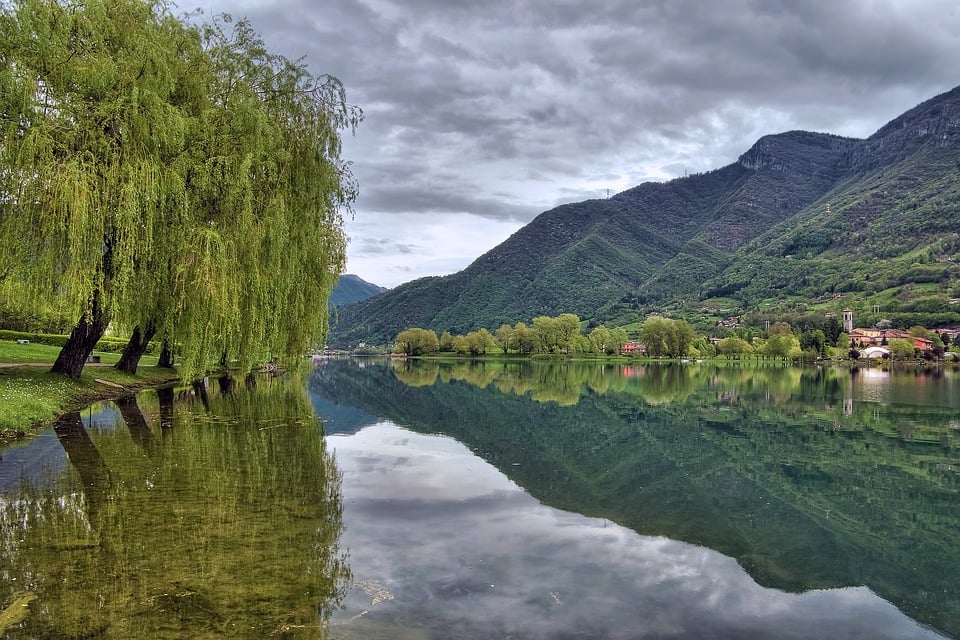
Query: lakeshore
[32,397]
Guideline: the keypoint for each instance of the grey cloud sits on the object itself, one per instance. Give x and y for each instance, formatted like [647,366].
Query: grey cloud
[381,247]
[470,108]
[419,199]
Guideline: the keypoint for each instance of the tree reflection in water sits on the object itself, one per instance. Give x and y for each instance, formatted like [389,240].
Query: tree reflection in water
[222,520]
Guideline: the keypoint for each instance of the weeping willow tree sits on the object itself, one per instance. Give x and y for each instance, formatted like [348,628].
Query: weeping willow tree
[268,190]
[92,122]
[175,180]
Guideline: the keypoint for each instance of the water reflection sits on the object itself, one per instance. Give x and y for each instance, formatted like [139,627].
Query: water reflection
[213,514]
[805,479]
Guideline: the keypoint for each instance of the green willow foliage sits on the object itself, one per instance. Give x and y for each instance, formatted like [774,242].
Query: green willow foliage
[91,129]
[184,174]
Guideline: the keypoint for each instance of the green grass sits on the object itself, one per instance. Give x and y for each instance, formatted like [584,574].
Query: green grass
[31,395]
[28,397]
[13,352]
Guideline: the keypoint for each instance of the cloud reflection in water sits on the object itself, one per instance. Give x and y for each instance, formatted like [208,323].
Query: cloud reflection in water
[465,552]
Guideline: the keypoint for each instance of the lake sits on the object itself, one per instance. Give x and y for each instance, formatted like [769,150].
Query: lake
[405,499]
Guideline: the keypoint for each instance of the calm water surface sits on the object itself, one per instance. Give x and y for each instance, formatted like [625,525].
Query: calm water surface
[513,500]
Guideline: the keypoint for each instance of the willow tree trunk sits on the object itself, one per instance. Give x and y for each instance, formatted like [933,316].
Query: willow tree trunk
[136,347]
[166,355]
[83,338]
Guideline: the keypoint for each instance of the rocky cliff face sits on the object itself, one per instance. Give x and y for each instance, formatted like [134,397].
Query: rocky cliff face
[931,124]
[801,152]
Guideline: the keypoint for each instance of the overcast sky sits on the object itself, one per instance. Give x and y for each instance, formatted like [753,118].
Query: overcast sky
[480,115]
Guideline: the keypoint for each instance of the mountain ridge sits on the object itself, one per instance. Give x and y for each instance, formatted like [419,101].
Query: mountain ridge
[351,288]
[798,214]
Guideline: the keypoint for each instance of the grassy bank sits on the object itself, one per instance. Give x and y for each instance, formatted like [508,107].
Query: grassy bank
[31,396]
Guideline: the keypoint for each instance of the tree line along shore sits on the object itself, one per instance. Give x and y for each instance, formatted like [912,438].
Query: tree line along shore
[661,337]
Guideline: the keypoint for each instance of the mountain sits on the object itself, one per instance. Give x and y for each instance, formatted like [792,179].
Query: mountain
[800,214]
[892,219]
[350,289]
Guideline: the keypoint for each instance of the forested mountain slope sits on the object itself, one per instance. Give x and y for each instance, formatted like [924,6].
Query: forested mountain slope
[798,214]
[894,220]
[351,288]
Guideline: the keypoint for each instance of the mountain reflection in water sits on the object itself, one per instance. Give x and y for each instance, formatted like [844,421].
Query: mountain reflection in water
[692,501]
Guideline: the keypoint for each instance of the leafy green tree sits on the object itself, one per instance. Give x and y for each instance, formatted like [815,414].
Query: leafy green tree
[279,226]
[524,338]
[901,349]
[655,334]
[665,337]
[461,345]
[918,331]
[480,341]
[446,341]
[505,337]
[580,344]
[832,330]
[547,333]
[703,348]
[783,346]
[813,340]
[568,329]
[95,110]
[169,179]
[599,339]
[734,348]
[681,339]
[416,342]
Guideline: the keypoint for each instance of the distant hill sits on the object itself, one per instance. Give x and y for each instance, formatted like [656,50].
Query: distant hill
[800,217]
[350,289]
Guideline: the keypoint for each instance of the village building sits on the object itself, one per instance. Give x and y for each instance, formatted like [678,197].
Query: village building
[861,338]
[879,337]
[634,348]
